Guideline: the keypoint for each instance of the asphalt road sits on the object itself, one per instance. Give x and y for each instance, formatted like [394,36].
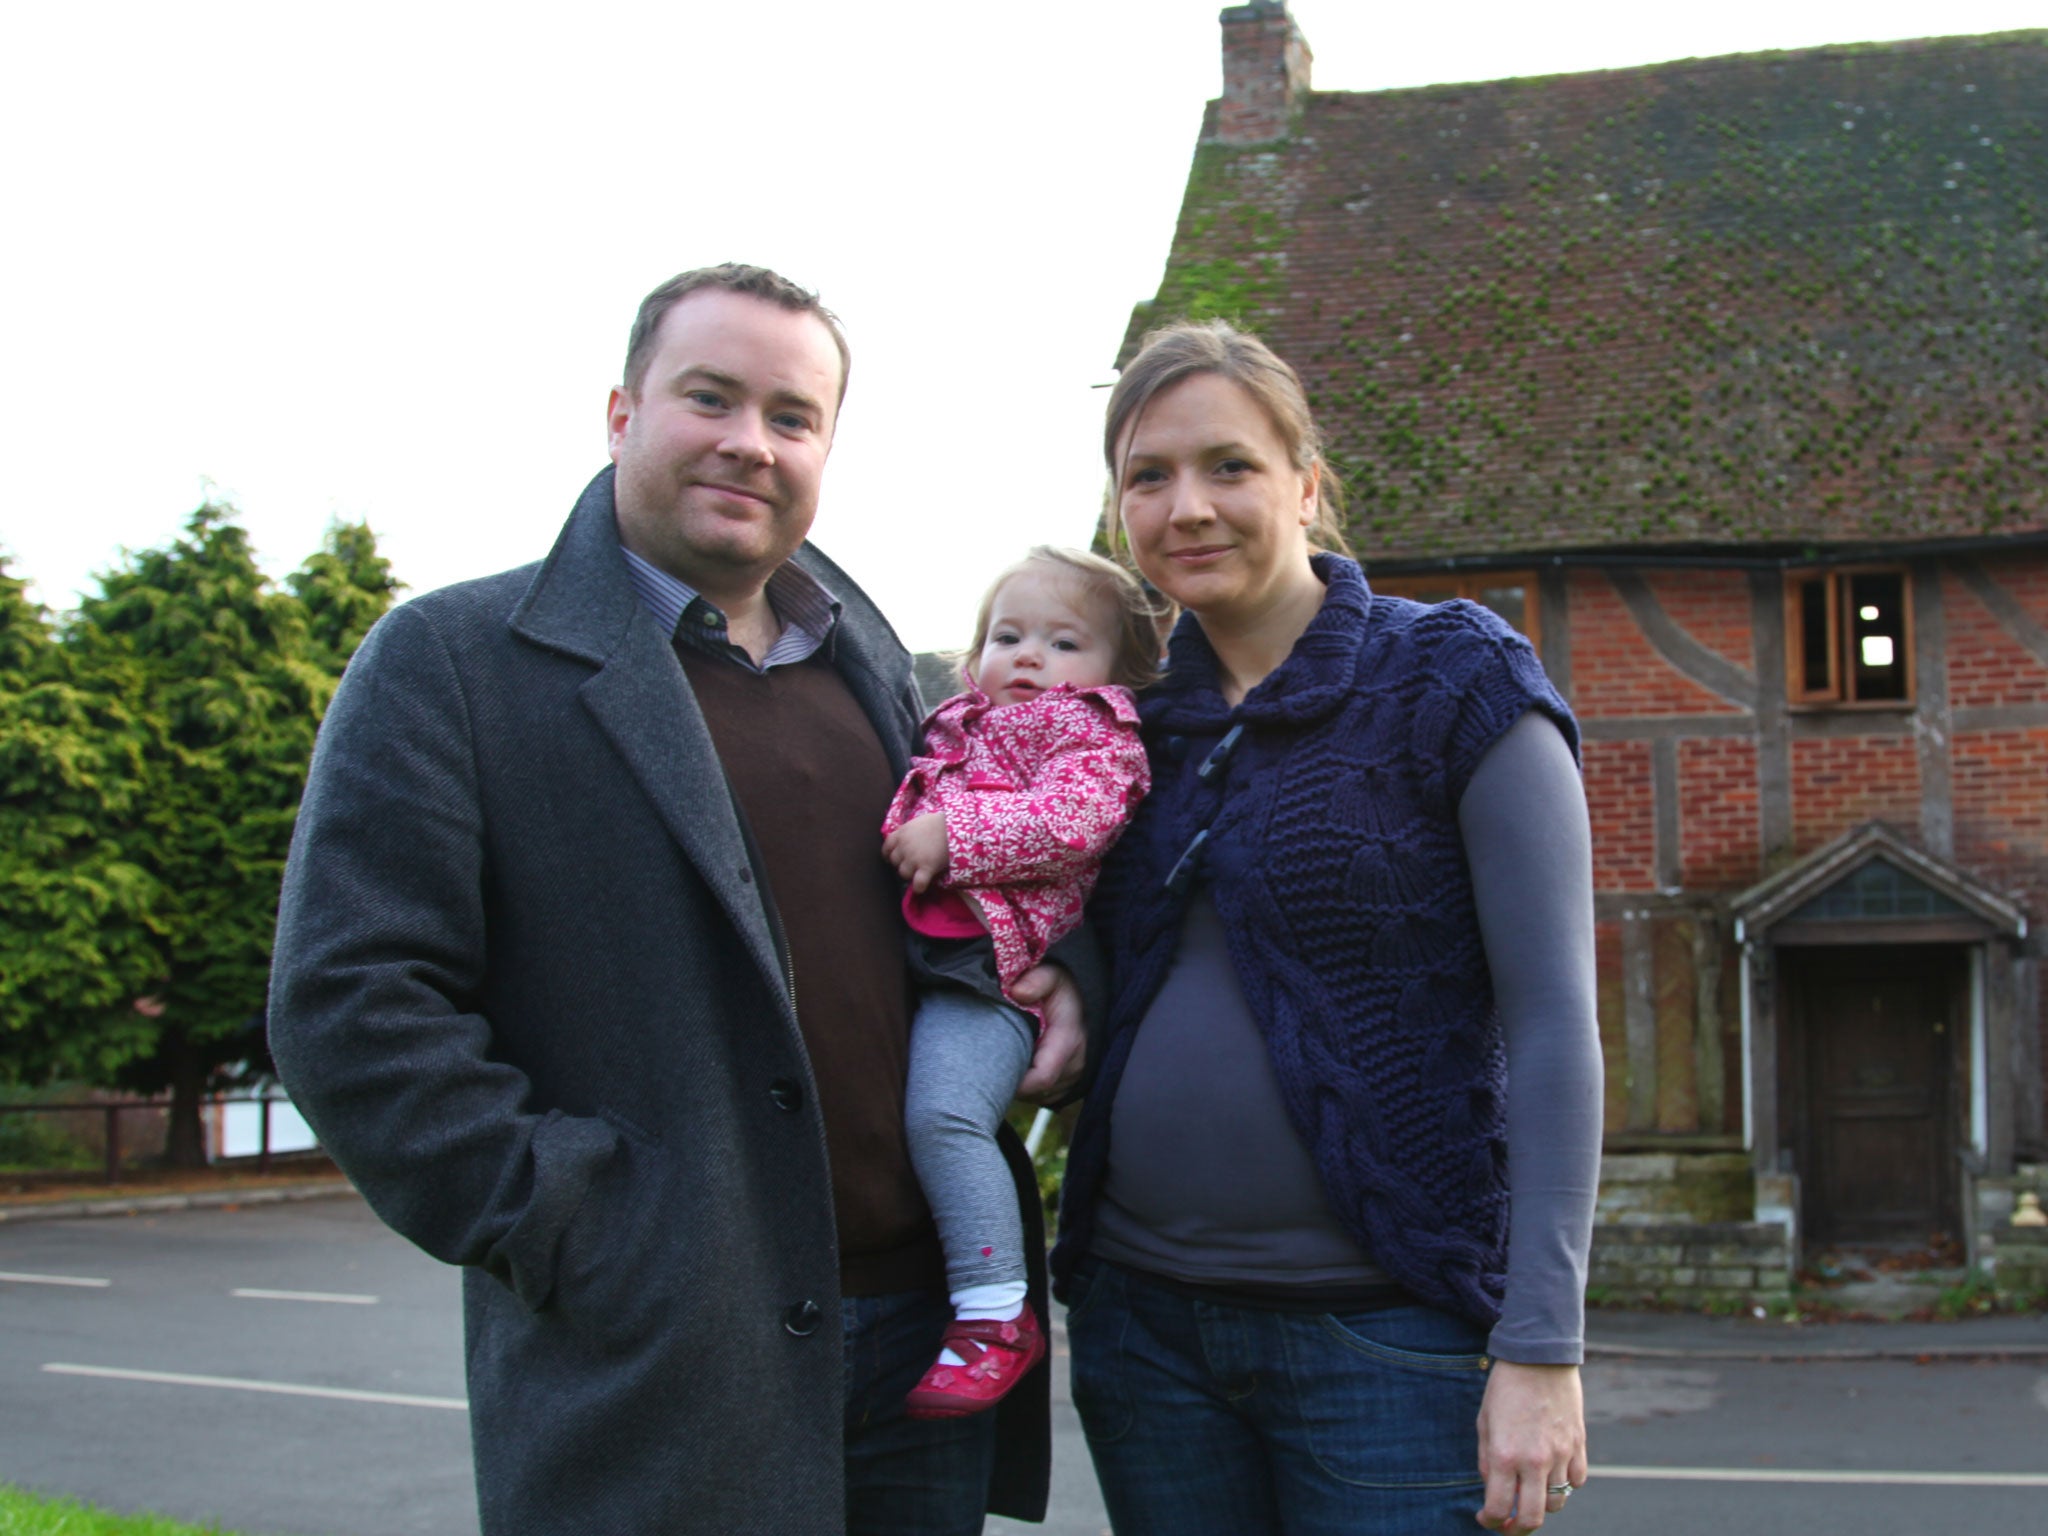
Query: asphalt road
[261,1462]
[1874,1448]
[133,1351]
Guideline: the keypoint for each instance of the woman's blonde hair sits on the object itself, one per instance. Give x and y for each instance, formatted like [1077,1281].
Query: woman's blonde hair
[1176,352]
[1141,614]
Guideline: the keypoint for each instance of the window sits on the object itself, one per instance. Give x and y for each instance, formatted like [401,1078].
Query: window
[1511,594]
[1848,637]
[1880,890]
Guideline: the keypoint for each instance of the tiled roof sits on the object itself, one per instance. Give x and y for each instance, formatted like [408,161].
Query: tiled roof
[1776,299]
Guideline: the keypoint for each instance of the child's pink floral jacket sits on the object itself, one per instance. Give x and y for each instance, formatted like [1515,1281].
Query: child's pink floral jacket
[1034,795]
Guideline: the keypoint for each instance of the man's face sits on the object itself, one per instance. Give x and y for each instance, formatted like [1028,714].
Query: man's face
[721,449]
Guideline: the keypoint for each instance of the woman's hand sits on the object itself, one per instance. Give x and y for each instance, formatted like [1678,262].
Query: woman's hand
[1532,1438]
[918,850]
[1063,1044]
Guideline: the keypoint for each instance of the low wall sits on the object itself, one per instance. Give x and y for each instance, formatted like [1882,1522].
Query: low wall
[2017,1258]
[1692,1263]
[1679,1227]
[1675,1186]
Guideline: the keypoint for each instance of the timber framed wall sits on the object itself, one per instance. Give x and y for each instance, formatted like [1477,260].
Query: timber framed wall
[1704,780]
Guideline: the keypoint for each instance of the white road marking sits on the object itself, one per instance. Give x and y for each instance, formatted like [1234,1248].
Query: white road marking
[340,1297]
[80,1280]
[284,1388]
[1874,1476]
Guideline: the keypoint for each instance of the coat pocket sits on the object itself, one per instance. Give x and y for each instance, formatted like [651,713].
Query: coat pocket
[566,1154]
[617,1262]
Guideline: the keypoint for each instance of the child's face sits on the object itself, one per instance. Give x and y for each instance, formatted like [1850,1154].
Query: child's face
[1043,631]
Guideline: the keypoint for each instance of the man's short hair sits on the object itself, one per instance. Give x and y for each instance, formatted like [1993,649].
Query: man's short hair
[733,277]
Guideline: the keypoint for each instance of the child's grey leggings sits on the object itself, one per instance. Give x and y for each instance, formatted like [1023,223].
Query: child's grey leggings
[966,1057]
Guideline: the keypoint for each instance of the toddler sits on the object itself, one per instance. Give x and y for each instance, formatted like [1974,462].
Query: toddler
[1024,783]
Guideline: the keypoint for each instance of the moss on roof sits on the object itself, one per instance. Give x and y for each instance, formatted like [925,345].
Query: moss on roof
[1791,297]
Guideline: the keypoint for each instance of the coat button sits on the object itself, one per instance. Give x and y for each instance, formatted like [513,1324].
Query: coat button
[786,1094]
[746,874]
[803,1318]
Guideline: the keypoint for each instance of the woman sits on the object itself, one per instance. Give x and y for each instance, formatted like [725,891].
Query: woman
[1351,1031]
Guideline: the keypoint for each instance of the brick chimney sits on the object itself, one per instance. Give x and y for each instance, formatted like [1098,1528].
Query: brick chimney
[1265,73]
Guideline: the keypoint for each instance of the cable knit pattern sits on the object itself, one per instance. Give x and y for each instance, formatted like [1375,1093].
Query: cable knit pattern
[1034,795]
[1338,871]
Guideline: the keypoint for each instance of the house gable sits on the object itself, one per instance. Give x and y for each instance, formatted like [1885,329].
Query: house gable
[1873,876]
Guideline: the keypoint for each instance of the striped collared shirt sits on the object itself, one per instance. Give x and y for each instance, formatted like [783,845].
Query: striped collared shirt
[808,613]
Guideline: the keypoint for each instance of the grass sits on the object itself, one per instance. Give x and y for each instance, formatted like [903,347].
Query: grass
[1973,1297]
[27,1514]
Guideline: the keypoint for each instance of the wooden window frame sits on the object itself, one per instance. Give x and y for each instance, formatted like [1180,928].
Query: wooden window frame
[1467,584]
[1839,692]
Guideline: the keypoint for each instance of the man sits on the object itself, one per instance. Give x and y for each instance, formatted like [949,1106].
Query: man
[577,838]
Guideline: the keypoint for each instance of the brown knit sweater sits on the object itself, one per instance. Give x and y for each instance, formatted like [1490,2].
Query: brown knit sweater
[814,782]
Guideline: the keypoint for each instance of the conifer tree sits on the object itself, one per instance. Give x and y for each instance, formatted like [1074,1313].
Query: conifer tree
[77,941]
[345,588]
[226,678]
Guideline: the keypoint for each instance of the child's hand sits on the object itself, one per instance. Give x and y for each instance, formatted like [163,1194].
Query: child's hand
[918,850]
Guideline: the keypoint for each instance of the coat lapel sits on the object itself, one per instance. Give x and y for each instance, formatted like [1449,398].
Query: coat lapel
[582,604]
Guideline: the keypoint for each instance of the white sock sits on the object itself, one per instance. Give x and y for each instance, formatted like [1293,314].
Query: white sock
[991,1303]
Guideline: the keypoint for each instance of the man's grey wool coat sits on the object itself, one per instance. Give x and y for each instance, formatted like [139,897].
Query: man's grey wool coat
[527,993]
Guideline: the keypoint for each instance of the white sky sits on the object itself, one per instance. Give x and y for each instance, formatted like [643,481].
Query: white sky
[378,260]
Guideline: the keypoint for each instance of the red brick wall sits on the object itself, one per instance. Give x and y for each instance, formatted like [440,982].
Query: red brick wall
[1710,606]
[1616,672]
[1838,783]
[1720,841]
[1624,818]
[1986,666]
[2001,806]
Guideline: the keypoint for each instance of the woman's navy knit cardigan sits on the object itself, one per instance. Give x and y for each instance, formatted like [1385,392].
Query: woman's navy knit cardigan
[1335,862]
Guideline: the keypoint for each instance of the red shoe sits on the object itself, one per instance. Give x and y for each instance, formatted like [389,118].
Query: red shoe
[998,1354]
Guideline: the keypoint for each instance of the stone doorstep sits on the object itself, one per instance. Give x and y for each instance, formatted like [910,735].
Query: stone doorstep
[1894,1295]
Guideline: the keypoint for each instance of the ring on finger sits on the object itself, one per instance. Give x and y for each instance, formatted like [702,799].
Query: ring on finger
[1559,1490]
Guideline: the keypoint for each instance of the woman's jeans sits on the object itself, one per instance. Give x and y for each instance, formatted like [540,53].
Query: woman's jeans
[1210,1417]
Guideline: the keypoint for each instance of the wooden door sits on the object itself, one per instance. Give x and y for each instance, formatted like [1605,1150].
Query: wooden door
[1881,1164]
